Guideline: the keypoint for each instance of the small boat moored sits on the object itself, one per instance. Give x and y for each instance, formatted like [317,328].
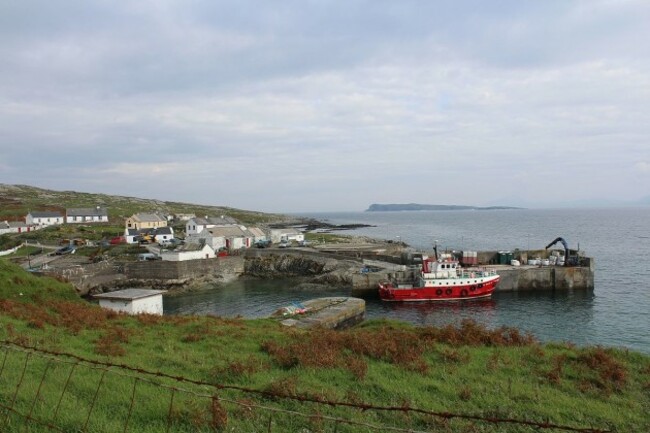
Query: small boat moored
[441,280]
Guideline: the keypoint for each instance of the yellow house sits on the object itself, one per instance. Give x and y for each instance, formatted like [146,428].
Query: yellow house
[145,221]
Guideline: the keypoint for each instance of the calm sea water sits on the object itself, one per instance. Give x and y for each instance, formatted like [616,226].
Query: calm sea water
[615,313]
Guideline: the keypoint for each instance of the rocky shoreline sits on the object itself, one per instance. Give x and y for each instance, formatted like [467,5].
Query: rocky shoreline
[316,269]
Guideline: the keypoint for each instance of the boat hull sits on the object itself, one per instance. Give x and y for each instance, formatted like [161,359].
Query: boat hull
[457,290]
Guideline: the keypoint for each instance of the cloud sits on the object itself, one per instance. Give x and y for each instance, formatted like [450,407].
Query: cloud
[308,106]
[643,167]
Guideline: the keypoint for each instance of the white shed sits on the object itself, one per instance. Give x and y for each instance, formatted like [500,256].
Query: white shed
[133,301]
[188,252]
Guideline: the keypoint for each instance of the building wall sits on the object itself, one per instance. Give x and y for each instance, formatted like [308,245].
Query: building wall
[215,242]
[43,222]
[132,223]
[173,256]
[78,219]
[148,305]
[192,228]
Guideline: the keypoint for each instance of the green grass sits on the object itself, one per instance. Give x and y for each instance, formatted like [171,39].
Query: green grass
[327,238]
[468,370]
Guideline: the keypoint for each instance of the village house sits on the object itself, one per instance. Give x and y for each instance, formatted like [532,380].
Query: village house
[131,236]
[14,227]
[188,252]
[163,235]
[43,218]
[228,237]
[286,235]
[145,221]
[196,225]
[86,215]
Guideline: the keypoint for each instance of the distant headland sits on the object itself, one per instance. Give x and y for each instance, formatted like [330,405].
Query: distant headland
[415,206]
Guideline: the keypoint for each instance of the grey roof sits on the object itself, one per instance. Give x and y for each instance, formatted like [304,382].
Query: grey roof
[87,211]
[190,247]
[164,231]
[17,224]
[256,231]
[132,232]
[227,231]
[46,214]
[129,294]
[216,221]
[148,217]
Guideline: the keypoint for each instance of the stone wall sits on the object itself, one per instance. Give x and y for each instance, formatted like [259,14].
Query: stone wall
[165,270]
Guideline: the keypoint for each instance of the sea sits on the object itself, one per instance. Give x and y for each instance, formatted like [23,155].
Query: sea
[615,314]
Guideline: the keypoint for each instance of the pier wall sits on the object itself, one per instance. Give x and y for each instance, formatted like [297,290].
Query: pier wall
[546,278]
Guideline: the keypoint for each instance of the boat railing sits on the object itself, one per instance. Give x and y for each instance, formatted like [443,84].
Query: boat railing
[476,273]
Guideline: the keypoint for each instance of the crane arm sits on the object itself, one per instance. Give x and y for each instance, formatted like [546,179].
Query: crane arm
[559,239]
[566,249]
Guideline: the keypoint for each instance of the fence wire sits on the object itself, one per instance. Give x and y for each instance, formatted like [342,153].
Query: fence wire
[46,390]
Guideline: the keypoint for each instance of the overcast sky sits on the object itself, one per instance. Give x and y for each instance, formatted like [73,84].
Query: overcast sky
[325,106]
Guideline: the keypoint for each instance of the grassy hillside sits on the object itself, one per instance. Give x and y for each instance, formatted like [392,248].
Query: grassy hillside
[17,200]
[213,374]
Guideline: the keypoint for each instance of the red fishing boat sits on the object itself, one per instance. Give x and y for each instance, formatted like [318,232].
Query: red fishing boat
[440,280]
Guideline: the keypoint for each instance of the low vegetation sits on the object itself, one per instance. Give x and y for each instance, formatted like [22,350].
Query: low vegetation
[17,200]
[215,374]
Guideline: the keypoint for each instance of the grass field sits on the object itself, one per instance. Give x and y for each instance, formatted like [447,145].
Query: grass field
[67,365]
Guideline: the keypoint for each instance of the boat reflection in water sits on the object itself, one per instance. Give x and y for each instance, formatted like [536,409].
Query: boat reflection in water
[434,313]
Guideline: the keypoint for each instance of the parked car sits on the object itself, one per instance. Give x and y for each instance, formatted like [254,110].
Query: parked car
[262,244]
[118,240]
[304,243]
[284,244]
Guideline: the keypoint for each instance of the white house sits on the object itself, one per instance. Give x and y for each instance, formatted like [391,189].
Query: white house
[10,227]
[44,218]
[14,227]
[288,235]
[229,237]
[133,301]
[196,225]
[188,252]
[131,236]
[164,234]
[86,215]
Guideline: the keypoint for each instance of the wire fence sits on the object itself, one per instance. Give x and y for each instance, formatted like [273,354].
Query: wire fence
[46,390]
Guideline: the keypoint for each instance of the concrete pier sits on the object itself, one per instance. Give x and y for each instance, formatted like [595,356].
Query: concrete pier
[330,313]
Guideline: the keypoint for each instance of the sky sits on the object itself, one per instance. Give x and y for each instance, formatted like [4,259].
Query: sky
[307,106]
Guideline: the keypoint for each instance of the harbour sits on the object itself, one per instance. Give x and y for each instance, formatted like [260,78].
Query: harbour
[612,314]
